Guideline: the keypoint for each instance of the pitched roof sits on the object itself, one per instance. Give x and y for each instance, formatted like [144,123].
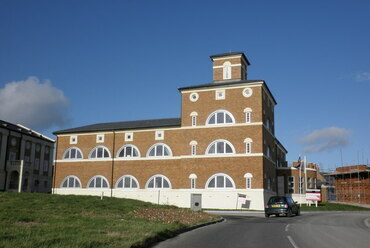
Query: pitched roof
[24,130]
[230,54]
[123,125]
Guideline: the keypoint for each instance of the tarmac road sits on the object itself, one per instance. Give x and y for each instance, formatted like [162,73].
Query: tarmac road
[311,229]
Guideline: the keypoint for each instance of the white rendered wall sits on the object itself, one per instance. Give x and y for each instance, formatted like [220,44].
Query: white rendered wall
[211,199]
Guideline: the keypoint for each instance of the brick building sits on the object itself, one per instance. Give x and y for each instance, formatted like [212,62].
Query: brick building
[26,159]
[351,183]
[222,147]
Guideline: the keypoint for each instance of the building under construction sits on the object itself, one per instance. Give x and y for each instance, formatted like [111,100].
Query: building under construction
[352,183]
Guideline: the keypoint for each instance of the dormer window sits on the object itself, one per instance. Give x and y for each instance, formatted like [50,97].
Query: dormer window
[227,70]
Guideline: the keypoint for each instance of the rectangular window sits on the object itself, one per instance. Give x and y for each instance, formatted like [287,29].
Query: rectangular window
[159,135]
[192,183]
[129,136]
[46,165]
[248,117]
[37,164]
[100,138]
[193,120]
[248,148]
[291,185]
[193,150]
[220,94]
[73,140]
[12,156]
[249,183]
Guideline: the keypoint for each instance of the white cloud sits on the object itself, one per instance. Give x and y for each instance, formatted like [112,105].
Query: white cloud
[37,105]
[325,139]
[363,76]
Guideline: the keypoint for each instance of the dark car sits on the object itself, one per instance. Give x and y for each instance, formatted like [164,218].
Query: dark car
[282,205]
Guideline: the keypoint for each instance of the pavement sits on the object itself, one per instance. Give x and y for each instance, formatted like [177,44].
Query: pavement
[352,204]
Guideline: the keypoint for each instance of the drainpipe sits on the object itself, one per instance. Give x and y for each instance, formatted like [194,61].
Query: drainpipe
[55,166]
[113,156]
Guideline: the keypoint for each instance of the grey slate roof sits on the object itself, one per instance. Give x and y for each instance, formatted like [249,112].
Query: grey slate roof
[226,83]
[24,130]
[230,54]
[123,125]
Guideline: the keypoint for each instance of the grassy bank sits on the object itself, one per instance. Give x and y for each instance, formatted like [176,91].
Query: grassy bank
[42,220]
[332,207]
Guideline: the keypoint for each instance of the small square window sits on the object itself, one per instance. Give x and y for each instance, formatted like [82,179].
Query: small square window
[220,94]
[159,135]
[73,140]
[100,138]
[129,136]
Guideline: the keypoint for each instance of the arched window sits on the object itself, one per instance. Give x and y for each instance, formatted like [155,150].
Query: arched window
[128,151]
[71,182]
[220,147]
[248,145]
[98,182]
[193,116]
[193,180]
[193,147]
[72,153]
[220,117]
[99,152]
[220,181]
[227,70]
[127,182]
[248,177]
[158,182]
[248,115]
[159,150]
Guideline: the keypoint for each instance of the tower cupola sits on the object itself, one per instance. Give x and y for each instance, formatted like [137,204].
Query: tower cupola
[229,66]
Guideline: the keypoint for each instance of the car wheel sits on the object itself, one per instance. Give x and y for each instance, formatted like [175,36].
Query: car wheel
[289,214]
[267,215]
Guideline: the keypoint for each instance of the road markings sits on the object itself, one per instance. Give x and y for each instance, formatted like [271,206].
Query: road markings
[292,242]
[286,228]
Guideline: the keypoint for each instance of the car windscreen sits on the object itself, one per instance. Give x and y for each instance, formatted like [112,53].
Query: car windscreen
[276,199]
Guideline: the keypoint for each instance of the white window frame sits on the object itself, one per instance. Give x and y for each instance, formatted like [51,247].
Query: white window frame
[129,136]
[155,151]
[226,71]
[220,94]
[122,178]
[100,138]
[194,97]
[193,181]
[248,180]
[248,115]
[214,176]
[154,184]
[74,182]
[96,148]
[94,178]
[291,185]
[225,112]
[125,153]
[69,150]
[218,154]
[159,135]
[73,139]
[249,93]
[248,145]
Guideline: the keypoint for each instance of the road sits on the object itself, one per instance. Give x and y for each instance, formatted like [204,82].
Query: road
[311,229]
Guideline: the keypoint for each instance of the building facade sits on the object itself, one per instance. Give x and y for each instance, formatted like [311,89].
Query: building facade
[349,184]
[26,159]
[222,151]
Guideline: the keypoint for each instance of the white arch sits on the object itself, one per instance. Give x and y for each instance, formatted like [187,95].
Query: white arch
[75,178]
[225,113]
[128,145]
[96,177]
[96,149]
[163,179]
[220,176]
[224,147]
[78,150]
[155,147]
[132,178]
[226,70]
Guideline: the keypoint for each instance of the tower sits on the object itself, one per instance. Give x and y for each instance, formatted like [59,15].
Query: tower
[229,66]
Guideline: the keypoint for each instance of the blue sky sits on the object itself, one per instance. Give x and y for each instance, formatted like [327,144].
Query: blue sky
[71,63]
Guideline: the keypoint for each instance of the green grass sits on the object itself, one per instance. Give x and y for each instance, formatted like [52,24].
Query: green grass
[44,220]
[332,207]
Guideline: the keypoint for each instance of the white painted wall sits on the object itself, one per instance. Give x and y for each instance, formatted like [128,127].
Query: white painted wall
[211,199]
